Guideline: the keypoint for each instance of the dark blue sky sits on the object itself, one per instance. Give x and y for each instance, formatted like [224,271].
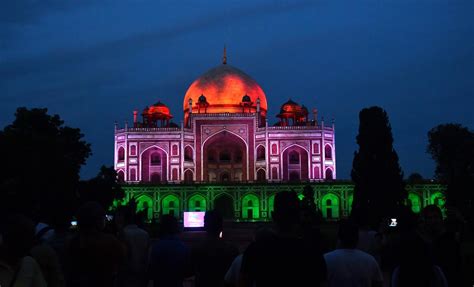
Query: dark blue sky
[93,62]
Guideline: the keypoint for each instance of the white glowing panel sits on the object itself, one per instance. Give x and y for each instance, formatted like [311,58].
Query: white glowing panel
[194,219]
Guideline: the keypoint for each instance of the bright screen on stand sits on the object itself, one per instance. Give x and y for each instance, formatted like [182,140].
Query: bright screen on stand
[194,219]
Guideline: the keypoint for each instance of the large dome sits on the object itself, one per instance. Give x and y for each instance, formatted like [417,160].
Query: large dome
[224,88]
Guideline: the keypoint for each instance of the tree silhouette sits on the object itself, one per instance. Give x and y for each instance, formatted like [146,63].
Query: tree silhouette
[379,189]
[452,148]
[41,162]
[103,188]
[415,178]
[308,198]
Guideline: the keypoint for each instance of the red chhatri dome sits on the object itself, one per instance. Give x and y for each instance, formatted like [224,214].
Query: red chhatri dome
[157,112]
[224,86]
[290,107]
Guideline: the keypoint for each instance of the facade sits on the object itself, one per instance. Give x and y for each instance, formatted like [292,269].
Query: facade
[225,137]
[254,201]
[224,154]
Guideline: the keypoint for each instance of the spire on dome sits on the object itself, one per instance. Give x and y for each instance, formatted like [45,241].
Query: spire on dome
[224,56]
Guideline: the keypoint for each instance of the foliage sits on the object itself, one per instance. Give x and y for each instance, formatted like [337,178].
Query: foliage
[379,190]
[415,178]
[452,148]
[103,188]
[42,160]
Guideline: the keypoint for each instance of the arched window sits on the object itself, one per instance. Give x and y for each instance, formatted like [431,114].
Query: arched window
[294,157]
[133,150]
[121,154]
[328,202]
[329,175]
[175,150]
[316,148]
[155,158]
[316,172]
[197,203]
[261,153]
[261,175]
[171,204]
[120,176]
[328,152]
[188,176]
[250,207]
[274,149]
[274,173]
[174,174]
[133,174]
[188,153]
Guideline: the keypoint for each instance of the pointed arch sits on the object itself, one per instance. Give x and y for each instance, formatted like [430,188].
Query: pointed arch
[415,202]
[170,205]
[330,206]
[260,152]
[250,207]
[145,206]
[154,164]
[329,174]
[188,153]
[197,202]
[328,151]
[298,171]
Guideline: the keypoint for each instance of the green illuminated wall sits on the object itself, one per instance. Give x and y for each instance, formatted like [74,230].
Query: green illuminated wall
[254,202]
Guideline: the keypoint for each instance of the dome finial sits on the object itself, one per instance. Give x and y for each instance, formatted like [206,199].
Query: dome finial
[224,56]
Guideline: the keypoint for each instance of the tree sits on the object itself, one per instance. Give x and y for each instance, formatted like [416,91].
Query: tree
[415,178]
[308,198]
[452,148]
[379,190]
[41,163]
[103,188]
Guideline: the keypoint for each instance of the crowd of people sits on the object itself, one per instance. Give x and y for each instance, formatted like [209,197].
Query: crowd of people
[293,251]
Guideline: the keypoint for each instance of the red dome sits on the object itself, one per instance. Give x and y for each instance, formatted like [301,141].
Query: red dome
[158,111]
[224,87]
[290,107]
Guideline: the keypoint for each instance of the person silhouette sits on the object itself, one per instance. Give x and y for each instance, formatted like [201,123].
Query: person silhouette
[213,256]
[283,259]
[349,266]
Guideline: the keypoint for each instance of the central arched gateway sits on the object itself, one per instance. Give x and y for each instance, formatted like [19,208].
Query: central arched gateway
[225,158]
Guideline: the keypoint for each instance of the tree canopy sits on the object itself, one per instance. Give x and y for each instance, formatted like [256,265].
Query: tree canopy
[42,160]
[379,188]
[452,148]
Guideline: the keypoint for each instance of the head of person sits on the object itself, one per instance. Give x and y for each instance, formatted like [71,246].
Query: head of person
[286,210]
[168,225]
[213,223]
[348,234]
[91,217]
[128,215]
[18,236]
[432,219]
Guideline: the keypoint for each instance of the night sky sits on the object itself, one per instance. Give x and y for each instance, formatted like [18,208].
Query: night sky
[94,62]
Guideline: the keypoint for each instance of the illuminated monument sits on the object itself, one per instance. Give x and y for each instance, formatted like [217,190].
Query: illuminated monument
[224,155]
